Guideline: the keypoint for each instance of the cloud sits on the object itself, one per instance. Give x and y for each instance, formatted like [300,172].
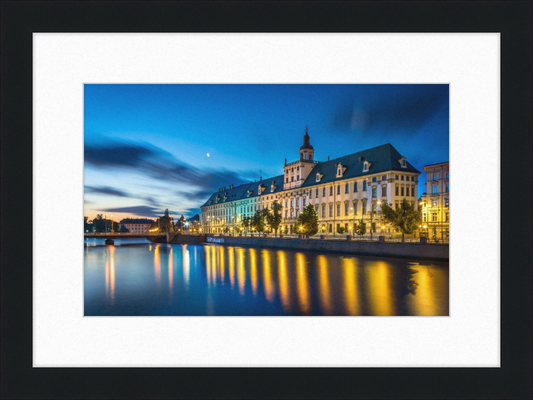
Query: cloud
[402,110]
[157,164]
[145,211]
[105,190]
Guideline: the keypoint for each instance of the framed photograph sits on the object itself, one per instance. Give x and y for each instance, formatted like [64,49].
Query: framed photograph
[244,180]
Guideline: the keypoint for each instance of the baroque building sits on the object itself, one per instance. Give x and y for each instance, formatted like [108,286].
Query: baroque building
[435,203]
[343,191]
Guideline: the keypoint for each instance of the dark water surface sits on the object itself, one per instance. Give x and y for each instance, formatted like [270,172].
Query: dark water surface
[139,278]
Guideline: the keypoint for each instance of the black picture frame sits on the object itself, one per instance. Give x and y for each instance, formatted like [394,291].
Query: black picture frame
[511,18]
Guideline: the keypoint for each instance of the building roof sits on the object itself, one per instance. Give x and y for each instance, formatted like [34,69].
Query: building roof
[196,217]
[136,221]
[246,191]
[382,158]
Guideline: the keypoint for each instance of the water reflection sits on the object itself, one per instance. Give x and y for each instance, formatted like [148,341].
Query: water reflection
[219,280]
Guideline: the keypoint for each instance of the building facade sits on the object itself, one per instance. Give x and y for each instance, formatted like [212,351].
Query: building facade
[343,191]
[435,203]
[139,225]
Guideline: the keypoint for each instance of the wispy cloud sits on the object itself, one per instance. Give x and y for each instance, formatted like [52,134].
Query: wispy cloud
[147,211]
[105,190]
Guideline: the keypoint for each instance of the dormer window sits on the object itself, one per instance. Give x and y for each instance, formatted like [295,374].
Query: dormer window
[340,170]
[318,177]
[402,162]
[366,166]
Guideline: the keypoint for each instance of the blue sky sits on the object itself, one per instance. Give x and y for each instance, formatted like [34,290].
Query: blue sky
[152,147]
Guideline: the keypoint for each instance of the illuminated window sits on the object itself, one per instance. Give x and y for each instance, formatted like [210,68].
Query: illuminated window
[434,177]
[374,190]
[434,217]
[374,208]
[434,202]
[447,202]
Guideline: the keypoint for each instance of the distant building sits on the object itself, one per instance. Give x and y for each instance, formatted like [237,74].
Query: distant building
[194,223]
[435,203]
[140,225]
[343,191]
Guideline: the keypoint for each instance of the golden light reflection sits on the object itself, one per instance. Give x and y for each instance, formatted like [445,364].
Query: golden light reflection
[253,270]
[303,284]
[231,258]
[379,288]
[325,295]
[349,269]
[110,273]
[222,264]
[241,274]
[208,265]
[157,265]
[424,300]
[170,271]
[214,263]
[186,263]
[267,276]
[283,280]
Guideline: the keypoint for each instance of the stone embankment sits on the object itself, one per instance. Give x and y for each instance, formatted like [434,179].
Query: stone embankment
[399,250]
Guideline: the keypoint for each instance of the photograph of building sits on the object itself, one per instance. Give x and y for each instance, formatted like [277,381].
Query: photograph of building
[266,200]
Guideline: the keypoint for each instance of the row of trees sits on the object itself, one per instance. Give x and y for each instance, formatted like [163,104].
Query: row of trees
[404,219]
[100,224]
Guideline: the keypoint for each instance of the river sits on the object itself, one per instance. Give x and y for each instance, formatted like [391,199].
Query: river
[138,278]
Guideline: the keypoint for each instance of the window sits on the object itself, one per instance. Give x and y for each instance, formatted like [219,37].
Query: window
[384,178]
[434,217]
[305,201]
[346,209]
[374,190]
[338,210]
[355,187]
[423,217]
[447,175]
[311,193]
[292,178]
[447,202]
[297,177]
[329,228]
[292,203]
[401,177]
[323,192]
[317,193]
[447,188]
[434,189]
[412,179]
[434,202]
[374,207]
[374,179]
[364,208]
[324,211]
[434,177]
[297,202]
[412,191]
[384,191]
[338,189]
[402,191]
[346,188]
[396,191]
[396,177]
[331,211]
[298,168]
[447,217]
[364,186]
[286,204]
[316,209]
[331,191]
[292,214]
[355,208]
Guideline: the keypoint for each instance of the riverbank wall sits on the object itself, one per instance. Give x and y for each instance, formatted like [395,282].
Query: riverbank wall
[438,252]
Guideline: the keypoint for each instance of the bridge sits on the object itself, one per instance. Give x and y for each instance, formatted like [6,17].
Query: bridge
[153,237]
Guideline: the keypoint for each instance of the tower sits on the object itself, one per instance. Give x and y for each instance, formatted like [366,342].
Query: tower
[297,171]
[306,151]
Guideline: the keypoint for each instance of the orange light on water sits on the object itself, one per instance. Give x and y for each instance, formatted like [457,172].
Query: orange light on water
[283,280]
[325,295]
[267,276]
[302,283]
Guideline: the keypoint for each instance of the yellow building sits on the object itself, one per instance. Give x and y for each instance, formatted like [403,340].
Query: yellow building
[435,203]
[343,191]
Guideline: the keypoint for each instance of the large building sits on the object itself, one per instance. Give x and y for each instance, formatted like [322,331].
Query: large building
[343,191]
[435,203]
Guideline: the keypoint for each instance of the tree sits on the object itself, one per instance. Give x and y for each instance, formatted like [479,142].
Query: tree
[165,223]
[246,222]
[123,229]
[87,225]
[273,216]
[307,220]
[258,220]
[405,218]
[360,228]
[340,229]
[227,229]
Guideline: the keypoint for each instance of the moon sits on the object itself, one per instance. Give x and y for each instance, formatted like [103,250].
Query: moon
[208,155]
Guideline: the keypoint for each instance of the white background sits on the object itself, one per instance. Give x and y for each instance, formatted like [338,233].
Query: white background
[468,337]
